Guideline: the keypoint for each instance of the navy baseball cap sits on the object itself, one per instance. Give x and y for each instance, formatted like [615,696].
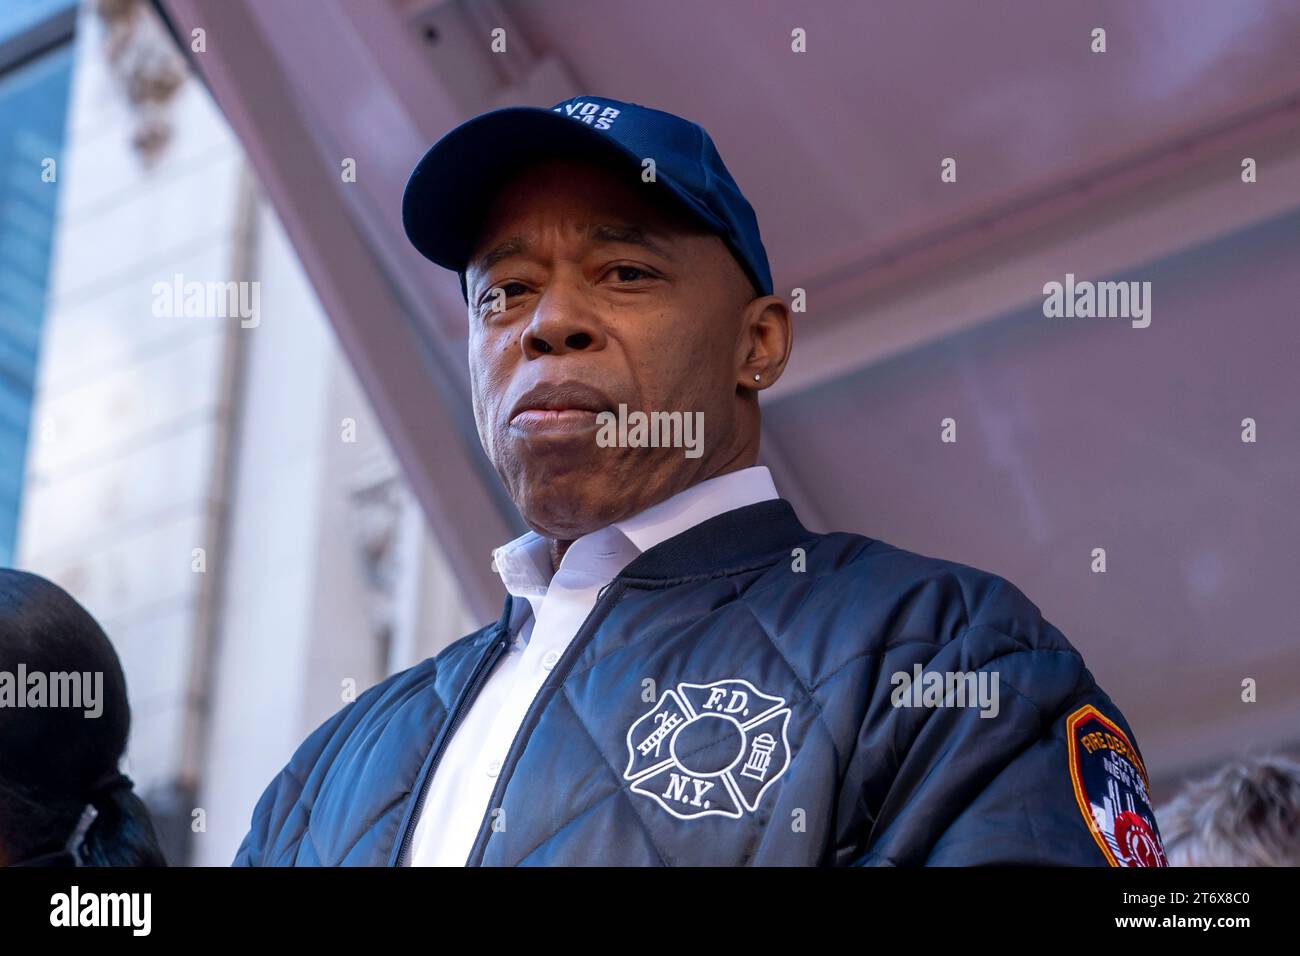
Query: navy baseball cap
[452,186]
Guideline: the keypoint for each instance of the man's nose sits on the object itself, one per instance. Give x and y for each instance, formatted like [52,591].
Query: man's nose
[561,322]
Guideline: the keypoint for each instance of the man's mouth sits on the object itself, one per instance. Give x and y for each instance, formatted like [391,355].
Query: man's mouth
[536,421]
[559,408]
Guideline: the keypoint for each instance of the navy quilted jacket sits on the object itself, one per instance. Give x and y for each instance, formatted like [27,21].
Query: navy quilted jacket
[751,693]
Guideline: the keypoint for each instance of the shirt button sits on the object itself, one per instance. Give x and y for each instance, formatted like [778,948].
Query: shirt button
[494,768]
[550,659]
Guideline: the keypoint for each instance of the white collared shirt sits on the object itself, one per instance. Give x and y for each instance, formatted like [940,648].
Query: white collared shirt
[553,609]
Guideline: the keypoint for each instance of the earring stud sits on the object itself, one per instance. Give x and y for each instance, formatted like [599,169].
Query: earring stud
[756,376]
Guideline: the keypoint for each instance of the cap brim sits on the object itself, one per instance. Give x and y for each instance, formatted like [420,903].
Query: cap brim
[452,186]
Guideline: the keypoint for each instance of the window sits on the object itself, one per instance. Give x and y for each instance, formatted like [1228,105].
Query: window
[35,75]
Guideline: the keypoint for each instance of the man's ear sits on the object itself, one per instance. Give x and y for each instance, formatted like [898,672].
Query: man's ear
[766,337]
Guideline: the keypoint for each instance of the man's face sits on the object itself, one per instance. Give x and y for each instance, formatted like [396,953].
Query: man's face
[604,299]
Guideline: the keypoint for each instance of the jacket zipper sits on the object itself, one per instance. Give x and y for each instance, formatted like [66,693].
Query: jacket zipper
[554,681]
[481,669]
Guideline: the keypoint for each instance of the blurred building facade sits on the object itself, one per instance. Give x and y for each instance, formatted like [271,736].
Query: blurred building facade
[215,489]
[35,76]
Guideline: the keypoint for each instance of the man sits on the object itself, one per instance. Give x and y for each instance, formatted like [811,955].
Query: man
[683,674]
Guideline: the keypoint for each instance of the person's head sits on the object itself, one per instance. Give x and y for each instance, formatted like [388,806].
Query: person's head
[59,752]
[1245,814]
[593,290]
[608,299]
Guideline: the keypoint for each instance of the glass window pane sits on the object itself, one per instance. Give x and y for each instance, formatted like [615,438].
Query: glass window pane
[33,108]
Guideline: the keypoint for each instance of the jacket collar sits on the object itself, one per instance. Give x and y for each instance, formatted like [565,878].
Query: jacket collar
[745,538]
[742,539]
[596,558]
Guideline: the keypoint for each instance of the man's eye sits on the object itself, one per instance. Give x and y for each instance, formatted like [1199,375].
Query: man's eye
[502,292]
[636,273]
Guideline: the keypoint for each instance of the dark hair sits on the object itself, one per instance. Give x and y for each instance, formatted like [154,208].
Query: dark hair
[55,760]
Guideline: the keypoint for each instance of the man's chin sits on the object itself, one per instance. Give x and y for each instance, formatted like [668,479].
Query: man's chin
[568,503]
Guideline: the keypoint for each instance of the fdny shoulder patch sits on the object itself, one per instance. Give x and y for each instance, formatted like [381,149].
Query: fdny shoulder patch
[709,748]
[1111,786]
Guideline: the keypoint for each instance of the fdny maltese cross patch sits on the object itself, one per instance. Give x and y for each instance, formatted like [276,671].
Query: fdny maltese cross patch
[709,748]
[1111,787]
